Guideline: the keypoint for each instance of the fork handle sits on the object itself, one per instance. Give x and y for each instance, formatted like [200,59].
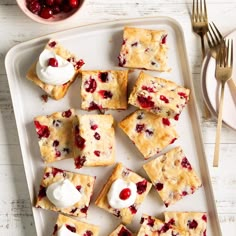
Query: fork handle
[203,46]
[218,130]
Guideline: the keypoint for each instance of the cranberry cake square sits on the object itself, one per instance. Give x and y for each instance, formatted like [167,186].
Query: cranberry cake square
[55,135]
[55,70]
[65,192]
[123,193]
[193,222]
[144,48]
[104,89]
[94,140]
[149,133]
[159,96]
[153,226]
[172,176]
[121,230]
[67,226]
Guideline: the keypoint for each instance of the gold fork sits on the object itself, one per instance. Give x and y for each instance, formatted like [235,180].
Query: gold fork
[200,27]
[223,72]
[200,21]
[214,39]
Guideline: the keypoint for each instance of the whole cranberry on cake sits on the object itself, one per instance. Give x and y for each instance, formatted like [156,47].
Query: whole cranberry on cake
[55,135]
[159,96]
[149,133]
[193,222]
[65,192]
[94,140]
[67,226]
[121,230]
[55,70]
[153,226]
[104,89]
[123,193]
[172,176]
[144,48]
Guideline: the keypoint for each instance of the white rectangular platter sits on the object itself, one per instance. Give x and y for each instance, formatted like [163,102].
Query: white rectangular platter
[98,45]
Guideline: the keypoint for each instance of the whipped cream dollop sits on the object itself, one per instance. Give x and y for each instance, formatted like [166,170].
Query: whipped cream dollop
[113,195]
[63,194]
[64,231]
[54,75]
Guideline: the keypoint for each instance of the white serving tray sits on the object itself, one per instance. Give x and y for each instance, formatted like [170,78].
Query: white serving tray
[99,45]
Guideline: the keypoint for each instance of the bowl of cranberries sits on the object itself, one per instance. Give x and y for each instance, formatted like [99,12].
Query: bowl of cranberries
[50,11]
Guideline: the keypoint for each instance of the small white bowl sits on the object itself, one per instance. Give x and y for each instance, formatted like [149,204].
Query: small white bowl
[55,19]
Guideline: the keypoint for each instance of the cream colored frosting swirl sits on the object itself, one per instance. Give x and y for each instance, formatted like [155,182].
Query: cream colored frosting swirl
[53,75]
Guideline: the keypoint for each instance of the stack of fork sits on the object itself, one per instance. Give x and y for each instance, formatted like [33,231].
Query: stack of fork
[222,51]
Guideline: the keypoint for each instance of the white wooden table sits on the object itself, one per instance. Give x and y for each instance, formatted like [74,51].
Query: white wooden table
[15,208]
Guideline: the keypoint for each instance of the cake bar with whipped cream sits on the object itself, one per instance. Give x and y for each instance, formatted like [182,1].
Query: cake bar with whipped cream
[67,226]
[193,222]
[55,70]
[123,193]
[65,192]
[153,226]
[149,133]
[55,135]
[104,89]
[94,140]
[144,48]
[172,176]
[159,96]
[121,230]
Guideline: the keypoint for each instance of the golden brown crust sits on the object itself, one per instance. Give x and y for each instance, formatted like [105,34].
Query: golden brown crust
[58,144]
[98,148]
[81,228]
[193,222]
[173,176]
[159,96]
[84,183]
[149,132]
[144,48]
[126,214]
[114,83]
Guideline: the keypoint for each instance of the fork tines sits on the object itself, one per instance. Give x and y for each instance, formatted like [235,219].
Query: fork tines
[225,54]
[199,12]
[214,37]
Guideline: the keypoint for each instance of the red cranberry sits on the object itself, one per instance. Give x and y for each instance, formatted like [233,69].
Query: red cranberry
[53,62]
[52,44]
[58,2]
[149,132]
[185,164]
[56,171]
[125,194]
[42,130]
[55,143]
[46,13]
[159,186]
[90,85]
[103,76]
[84,209]
[80,142]
[166,121]
[171,221]
[88,233]
[78,187]
[149,89]
[97,136]
[150,221]
[74,3]
[204,217]
[164,99]
[183,95]
[105,94]
[66,7]
[139,128]
[44,97]
[49,2]
[145,102]
[164,228]
[74,210]
[141,186]
[134,44]
[42,192]
[163,40]
[67,114]
[71,228]
[79,64]
[94,106]
[176,117]
[124,232]
[173,140]
[192,224]
[133,209]
[55,229]
[94,127]
[184,193]
[58,154]
[34,6]
[97,153]
[79,161]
